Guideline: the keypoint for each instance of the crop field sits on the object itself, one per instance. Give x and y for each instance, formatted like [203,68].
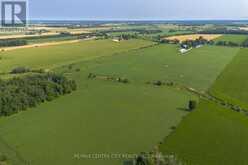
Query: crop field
[100,117]
[85,123]
[55,56]
[197,69]
[239,39]
[210,136]
[105,116]
[236,73]
[194,37]
[96,110]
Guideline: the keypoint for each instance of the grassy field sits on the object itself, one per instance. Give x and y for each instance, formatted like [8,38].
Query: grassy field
[237,74]
[210,136]
[239,39]
[54,56]
[198,68]
[104,116]
[100,117]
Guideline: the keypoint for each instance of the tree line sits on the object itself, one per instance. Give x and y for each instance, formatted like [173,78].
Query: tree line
[195,43]
[224,31]
[12,42]
[140,31]
[201,41]
[19,93]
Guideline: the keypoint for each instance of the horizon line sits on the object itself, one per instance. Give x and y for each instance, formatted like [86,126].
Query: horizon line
[246,19]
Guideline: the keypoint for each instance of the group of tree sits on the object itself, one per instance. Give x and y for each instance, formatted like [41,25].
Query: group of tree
[232,44]
[110,78]
[137,30]
[201,41]
[21,70]
[166,41]
[18,94]
[223,30]
[195,43]
[12,42]
[227,43]
[129,36]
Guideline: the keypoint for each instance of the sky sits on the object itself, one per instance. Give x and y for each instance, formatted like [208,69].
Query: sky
[138,9]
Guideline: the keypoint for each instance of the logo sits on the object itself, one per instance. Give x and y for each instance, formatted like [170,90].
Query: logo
[14,13]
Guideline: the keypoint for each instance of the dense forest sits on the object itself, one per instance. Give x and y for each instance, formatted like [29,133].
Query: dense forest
[18,94]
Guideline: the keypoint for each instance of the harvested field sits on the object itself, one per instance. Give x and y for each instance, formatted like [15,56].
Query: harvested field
[182,38]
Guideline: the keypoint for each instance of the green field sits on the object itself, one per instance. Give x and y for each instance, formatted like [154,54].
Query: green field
[109,117]
[54,56]
[239,39]
[197,69]
[100,117]
[237,75]
[210,136]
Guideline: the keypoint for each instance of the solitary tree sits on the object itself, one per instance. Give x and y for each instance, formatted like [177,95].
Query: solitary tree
[140,160]
[192,105]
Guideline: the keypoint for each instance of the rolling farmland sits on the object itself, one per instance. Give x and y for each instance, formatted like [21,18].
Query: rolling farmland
[55,56]
[197,69]
[236,73]
[110,116]
[84,116]
[210,135]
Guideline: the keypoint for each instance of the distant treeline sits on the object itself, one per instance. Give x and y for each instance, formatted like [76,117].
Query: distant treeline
[18,94]
[26,40]
[232,44]
[224,31]
[201,41]
[227,31]
[12,42]
[140,31]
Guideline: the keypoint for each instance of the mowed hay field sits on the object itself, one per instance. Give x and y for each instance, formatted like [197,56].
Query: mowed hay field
[198,68]
[232,84]
[54,56]
[194,37]
[210,136]
[239,39]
